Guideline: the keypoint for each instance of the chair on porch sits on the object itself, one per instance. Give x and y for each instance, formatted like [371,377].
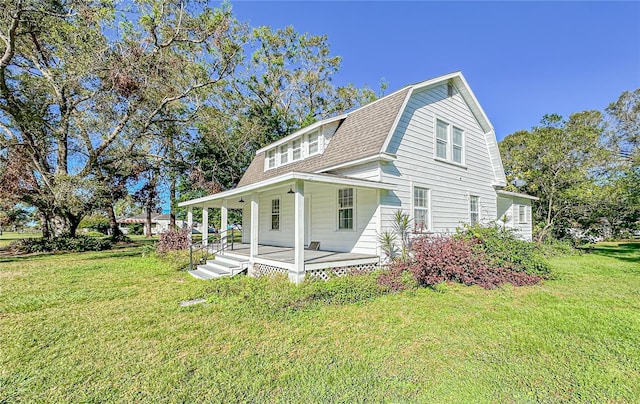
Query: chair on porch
[314,246]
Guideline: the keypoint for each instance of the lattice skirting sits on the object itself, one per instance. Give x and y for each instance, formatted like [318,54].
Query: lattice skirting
[267,270]
[328,273]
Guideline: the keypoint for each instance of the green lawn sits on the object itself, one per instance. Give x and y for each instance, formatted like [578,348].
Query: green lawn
[7,237]
[108,327]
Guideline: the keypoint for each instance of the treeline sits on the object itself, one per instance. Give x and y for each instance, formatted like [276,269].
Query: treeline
[585,169]
[164,97]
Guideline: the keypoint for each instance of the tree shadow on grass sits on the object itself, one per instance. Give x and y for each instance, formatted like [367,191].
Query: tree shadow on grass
[626,251]
[119,251]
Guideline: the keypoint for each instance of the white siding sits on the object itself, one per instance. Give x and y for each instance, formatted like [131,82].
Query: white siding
[323,222]
[369,171]
[508,215]
[450,184]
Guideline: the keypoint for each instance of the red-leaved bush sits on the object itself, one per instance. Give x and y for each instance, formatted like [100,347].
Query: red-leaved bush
[173,240]
[437,259]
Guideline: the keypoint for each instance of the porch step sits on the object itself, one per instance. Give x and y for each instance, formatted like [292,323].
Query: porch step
[231,259]
[196,273]
[220,266]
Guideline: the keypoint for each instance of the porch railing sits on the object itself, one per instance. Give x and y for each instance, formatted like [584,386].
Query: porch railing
[199,252]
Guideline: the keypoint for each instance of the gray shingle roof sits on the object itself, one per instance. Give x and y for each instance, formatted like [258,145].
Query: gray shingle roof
[361,134]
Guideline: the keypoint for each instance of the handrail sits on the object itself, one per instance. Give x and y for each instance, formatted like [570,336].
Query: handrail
[206,247]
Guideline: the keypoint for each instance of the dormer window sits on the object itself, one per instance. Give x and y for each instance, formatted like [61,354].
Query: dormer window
[271,158]
[297,150]
[284,154]
[313,143]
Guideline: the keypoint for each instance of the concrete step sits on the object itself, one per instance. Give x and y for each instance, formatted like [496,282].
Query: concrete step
[196,273]
[233,256]
[224,265]
[214,270]
[231,259]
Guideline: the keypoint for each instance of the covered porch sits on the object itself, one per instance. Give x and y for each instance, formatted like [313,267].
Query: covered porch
[279,224]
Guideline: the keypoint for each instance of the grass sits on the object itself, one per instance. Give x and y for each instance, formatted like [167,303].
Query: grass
[107,327]
[7,237]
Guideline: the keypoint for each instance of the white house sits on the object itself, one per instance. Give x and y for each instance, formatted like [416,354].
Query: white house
[427,149]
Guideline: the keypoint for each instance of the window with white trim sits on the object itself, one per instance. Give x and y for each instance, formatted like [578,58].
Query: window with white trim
[314,144]
[474,209]
[345,209]
[296,152]
[271,158]
[449,142]
[456,145]
[421,208]
[522,214]
[442,137]
[275,214]
[284,154]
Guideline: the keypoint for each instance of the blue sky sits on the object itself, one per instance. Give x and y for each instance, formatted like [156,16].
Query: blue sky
[522,59]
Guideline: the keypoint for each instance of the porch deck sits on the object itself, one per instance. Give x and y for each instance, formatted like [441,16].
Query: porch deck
[311,257]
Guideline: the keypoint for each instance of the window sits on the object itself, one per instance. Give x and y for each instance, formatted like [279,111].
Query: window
[473,210]
[442,135]
[522,214]
[284,154]
[275,214]
[345,208]
[421,208]
[297,150]
[313,143]
[271,158]
[449,142]
[456,144]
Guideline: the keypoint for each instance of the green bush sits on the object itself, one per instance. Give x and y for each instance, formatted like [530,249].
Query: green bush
[503,250]
[275,295]
[60,243]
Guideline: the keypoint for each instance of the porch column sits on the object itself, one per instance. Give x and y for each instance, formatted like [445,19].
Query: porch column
[205,225]
[297,275]
[253,249]
[223,225]
[190,222]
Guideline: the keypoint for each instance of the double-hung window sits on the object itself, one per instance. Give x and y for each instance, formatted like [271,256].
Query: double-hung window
[449,142]
[522,214]
[271,158]
[314,145]
[296,153]
[275,214]
[284,154]
[442,139]
[345,209]
[456,145]
[474,211]
[421,208]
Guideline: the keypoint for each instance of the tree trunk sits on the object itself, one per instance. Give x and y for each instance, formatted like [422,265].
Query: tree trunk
[147,223]
[113,223]
[44,225]
[172,203]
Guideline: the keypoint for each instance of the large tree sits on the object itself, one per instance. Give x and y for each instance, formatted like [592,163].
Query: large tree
[284,83]
[558,162]
[78,81]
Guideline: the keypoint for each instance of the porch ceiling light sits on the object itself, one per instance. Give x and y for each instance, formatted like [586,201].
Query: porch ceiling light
[241,200]
[290,191]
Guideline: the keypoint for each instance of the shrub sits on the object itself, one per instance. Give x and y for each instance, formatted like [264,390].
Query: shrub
[438,259]
[173,240]
[61,243]
[503,249]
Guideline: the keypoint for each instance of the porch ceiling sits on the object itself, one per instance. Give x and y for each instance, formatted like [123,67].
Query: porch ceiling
[232,196]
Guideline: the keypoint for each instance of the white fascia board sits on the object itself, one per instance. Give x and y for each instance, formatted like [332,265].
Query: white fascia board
[268,183]
[365,160]
[517,195]
[300,132]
